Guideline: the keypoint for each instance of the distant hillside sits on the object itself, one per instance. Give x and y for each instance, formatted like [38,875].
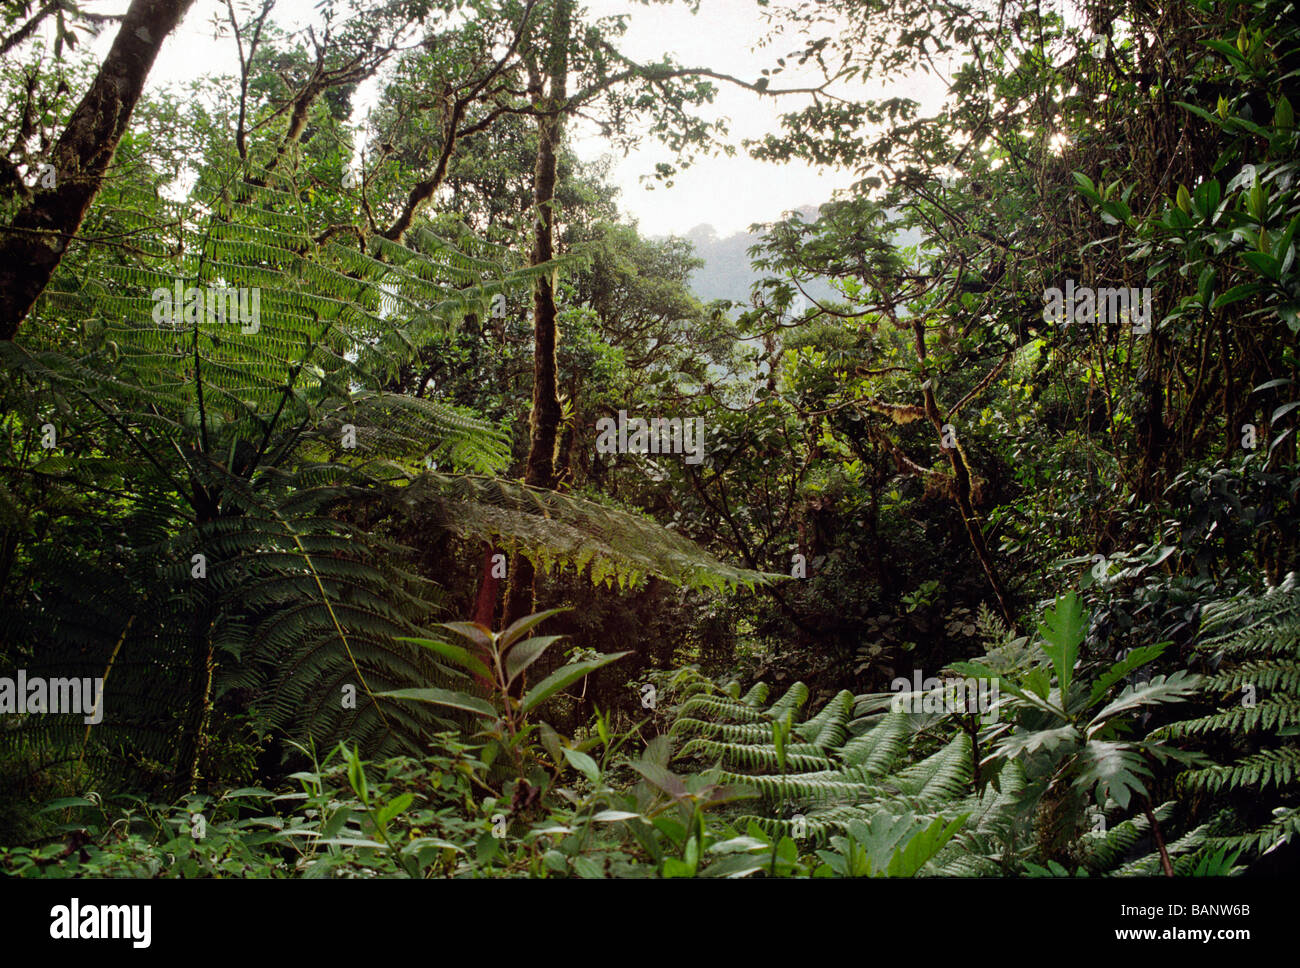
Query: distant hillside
[727,273]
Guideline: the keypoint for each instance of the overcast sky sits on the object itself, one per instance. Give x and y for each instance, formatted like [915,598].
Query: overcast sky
[728,193]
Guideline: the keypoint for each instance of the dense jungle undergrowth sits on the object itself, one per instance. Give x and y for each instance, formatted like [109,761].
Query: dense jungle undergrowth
[331,544]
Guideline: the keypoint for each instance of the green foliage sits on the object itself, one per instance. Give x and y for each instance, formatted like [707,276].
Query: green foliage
[495,662]
[856,779]
[1073,730]
[409,817]
[250,525]
[418,818]
[868,783]
[1252,643]
[228,487]
[229,439]
[887,846]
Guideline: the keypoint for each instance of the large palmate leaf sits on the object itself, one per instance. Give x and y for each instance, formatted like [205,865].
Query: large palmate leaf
[1058,738]
[1159,689]
[1114,770]
[1063,629]
[889,846]
[923,846]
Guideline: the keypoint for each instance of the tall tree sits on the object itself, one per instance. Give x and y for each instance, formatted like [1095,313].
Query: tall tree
[619,91]
[33,243]
[548,86]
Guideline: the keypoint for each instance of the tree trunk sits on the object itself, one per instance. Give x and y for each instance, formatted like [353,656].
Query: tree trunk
[1159,836]
[485,605]
[198,713]
[961,484]
[974,530]
[32,245]
[544,423]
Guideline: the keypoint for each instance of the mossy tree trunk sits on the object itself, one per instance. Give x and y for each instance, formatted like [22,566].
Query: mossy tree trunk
[550,93]
[33,244]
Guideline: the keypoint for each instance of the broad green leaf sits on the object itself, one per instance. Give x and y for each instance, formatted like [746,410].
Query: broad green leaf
[583,763]
[357,776]
[1281,382]
[661,777]
[922,846]
[444,697]
[1283,114]
[1283,410]
[551,742]
[555,861]
[1045,739]
[1038,680]
[1207,197]
[676,868]
[256,792]
[1086,186]
[1135,659]
[480,635]
[1236,294]
[588,868]
[1160,689]
[1205,285]
[727,793]
[517,629]
[736,865]
[393,807]
[563,677]
[1114,770]
[615,816]
[457,654]
[733,844]
[673,829]
[1226,49]
[526,653]
[1198,111]
[1263,263]
[974,670]
[1063,630]
[64,803]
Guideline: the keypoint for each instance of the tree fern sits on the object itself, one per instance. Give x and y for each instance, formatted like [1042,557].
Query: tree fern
[242,461]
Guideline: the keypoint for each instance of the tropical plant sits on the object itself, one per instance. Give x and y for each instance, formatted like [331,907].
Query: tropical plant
[1252,645]
[239,478]
[876,777]
[496,663]
[1071,732]
[408,817]
[879,792]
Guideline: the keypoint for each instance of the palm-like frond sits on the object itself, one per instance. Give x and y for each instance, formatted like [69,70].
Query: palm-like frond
[240,453]
[1255,642]
[882,770]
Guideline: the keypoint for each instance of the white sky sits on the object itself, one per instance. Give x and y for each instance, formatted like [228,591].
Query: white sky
[728,193]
